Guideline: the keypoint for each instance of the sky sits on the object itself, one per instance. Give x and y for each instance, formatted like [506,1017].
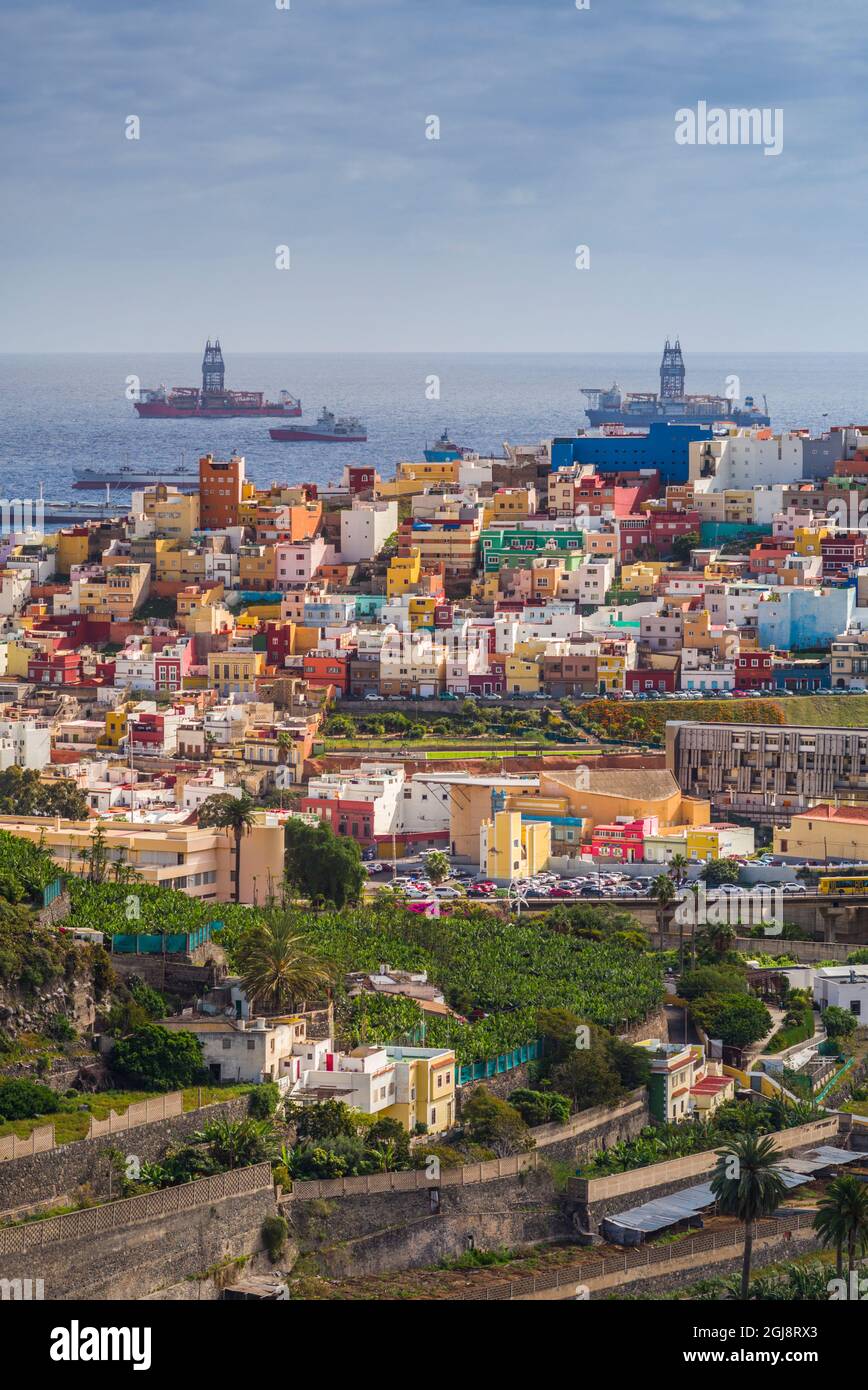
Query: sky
[305,127]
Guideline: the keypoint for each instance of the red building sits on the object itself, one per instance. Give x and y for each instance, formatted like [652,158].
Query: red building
[326,668]
[842,553]
[220,489]
[643,678]
[653,533]
[278,642]
[352,818]
[754,671]
[770,555]
[623,839]
[361,477]
[55,668]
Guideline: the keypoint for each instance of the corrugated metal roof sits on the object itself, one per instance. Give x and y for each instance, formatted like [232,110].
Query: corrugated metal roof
[628,1227]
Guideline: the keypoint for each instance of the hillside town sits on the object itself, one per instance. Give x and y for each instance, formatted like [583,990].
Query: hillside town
[493,830]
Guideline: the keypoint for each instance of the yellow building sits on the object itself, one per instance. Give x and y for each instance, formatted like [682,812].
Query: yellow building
[178,564]
[420,611]
[117,594]
[522,675]
[18,656]
[174,514]
[722,841]
[808,540]
[825,832]
[511,848]
[403,573]
[71,548]
[200,863]
[425,1087]
[643,576]
[234,672]
[115,728]
[257,567]
[509,505]
[611,670]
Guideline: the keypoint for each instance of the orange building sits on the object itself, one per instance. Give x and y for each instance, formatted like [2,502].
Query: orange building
[221,487]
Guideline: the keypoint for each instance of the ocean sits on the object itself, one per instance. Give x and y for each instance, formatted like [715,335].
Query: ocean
[61,410]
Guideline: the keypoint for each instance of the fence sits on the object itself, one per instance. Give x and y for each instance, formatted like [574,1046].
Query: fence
[591,1190]
[95,1221]
[141,1112]
[654,1260]
[469,1173]
[496,1066]
[159,943]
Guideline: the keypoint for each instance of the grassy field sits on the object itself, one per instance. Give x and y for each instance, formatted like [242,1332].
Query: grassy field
[72,1125]
[840,711]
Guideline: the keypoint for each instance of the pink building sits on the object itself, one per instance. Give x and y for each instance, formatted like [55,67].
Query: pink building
[623,840]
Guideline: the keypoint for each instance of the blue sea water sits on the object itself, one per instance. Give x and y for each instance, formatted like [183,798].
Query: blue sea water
[57,411]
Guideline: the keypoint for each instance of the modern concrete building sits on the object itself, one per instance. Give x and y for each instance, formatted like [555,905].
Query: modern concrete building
[767,772]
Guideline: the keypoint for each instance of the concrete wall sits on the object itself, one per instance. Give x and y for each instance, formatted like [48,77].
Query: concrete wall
[130,1249]
[596,1198]
[363,1231]
[63,1172]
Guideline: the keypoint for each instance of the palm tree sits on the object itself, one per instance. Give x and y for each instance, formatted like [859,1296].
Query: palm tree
[747,1183]
[678,866]
[235,813]
[437,866]
[842,1219]
[663,893]
[277,966]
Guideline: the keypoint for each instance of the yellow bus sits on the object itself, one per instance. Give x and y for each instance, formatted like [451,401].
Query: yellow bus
[852,884]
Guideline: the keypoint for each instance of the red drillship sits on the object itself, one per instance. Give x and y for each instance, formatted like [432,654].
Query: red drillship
[213,401]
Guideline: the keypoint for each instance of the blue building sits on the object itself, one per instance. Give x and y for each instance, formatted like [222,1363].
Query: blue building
[795,619]
[665,447]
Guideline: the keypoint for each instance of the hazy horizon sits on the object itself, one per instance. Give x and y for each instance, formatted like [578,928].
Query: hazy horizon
[305,127]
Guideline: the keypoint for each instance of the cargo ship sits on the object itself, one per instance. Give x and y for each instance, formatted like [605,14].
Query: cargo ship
[328,429]
[444,451]
[126,477]
[213,401]
[640,408]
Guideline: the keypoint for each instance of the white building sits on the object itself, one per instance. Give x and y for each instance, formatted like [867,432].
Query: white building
[25,743]
[844,987]
[365,527]
[746,459]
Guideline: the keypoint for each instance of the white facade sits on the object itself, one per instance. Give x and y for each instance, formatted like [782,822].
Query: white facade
[425,805]
[589,583]
[25,743]
[734,605]
[844,987]
[744,459]
[365,527]
[377,784]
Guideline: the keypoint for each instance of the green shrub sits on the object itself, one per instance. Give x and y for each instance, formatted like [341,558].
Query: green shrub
[264,1100]
[275,1230]
[541,1107]
[24,1100]
[158,1059]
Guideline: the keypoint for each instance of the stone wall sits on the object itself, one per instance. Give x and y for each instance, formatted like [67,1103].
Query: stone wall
[596,1198]
[363,1232]
[63,1172]
[133,1249]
